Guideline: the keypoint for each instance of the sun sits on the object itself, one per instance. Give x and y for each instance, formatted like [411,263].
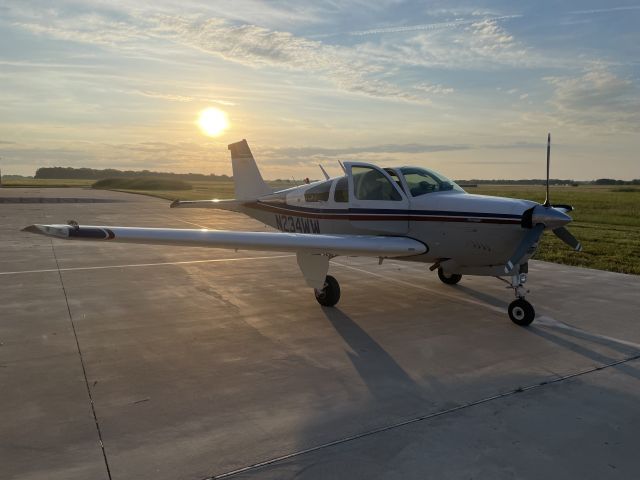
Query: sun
[213,121]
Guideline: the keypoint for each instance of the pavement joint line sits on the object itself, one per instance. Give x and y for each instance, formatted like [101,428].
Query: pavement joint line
[135,265]
[420,418]
[84,370]
[185,221]
[422,287]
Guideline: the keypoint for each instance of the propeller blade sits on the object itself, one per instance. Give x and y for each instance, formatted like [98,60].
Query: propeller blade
[565,235]
[530,239]
[563,208]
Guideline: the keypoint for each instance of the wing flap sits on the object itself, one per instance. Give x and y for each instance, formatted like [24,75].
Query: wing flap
[344,245]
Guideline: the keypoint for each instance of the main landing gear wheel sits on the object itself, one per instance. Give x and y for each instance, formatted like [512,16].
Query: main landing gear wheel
[330,293]
[521,312]
[448,279]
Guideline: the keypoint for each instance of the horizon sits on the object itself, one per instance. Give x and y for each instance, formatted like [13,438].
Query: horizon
[312,179]
[467,89]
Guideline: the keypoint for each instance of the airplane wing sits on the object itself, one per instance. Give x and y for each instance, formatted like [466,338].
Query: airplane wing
[312,250]
[349,245]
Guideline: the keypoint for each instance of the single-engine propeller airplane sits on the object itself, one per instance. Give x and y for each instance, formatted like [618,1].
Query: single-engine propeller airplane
[405,213]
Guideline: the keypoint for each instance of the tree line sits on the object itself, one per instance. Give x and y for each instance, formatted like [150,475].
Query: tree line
[96,174]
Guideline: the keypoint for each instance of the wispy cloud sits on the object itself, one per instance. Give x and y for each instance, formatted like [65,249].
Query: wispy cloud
[178,98]
[246,44]
[597,98]
[428,26]
[483,44]
[436,89]
[301,152]
[605,10]
[257,47]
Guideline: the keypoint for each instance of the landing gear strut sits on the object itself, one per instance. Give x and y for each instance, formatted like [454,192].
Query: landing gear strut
[330,293]
[521,312]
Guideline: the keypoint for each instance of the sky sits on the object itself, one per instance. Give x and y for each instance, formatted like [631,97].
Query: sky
[469,89]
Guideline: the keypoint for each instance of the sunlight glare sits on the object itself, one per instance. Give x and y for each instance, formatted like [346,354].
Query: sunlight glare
[213,121]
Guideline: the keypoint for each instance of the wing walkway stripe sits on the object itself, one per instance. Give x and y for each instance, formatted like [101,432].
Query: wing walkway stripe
[134,265]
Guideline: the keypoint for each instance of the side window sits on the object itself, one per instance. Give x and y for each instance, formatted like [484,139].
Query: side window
[371,184]
[319,193]
[341,194]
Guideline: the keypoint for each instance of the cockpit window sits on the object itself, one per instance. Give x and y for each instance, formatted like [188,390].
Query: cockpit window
[371,184]
[319,193]
[341,193]
[421,181]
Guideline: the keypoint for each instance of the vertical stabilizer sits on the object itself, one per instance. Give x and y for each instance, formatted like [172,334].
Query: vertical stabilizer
[249,184]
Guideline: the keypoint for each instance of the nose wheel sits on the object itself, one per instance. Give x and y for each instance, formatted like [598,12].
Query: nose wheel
[521,312]
[330,293]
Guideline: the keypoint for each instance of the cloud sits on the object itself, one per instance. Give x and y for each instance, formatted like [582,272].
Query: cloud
[246,44]
[301,155]
[605,10]
[426,26]
[516,145]
[258,47]
[597,98]
[483,44]
[434,89]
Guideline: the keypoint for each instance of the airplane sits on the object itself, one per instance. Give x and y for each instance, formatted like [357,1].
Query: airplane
[405,213]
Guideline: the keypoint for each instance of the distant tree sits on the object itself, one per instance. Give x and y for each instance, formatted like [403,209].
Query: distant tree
[608,181]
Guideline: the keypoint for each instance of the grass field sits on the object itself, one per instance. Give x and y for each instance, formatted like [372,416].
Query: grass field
[606,219]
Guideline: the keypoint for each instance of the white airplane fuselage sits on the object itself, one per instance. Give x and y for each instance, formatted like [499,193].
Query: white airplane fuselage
[475,230]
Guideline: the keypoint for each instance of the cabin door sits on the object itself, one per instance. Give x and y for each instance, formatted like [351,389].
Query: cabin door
[376,203]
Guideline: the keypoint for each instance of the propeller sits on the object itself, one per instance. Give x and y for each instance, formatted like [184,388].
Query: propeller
[565,235]
[541,217]
[527,244]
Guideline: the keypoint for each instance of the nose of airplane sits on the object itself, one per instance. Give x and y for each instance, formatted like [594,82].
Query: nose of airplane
[550,217]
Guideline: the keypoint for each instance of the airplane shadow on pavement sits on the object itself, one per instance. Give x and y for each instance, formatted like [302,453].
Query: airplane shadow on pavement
[382,375]
[558,337]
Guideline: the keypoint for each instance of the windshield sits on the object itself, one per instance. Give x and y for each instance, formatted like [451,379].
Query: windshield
[421,181]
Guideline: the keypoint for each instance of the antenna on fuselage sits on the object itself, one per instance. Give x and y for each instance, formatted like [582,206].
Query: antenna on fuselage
[342,167]
[326,175]
[547,201]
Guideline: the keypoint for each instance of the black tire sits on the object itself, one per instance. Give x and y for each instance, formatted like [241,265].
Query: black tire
[521,312]
[330,294]
[450,279]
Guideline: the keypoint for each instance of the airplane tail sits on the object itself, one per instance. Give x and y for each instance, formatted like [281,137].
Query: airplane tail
[248,182]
